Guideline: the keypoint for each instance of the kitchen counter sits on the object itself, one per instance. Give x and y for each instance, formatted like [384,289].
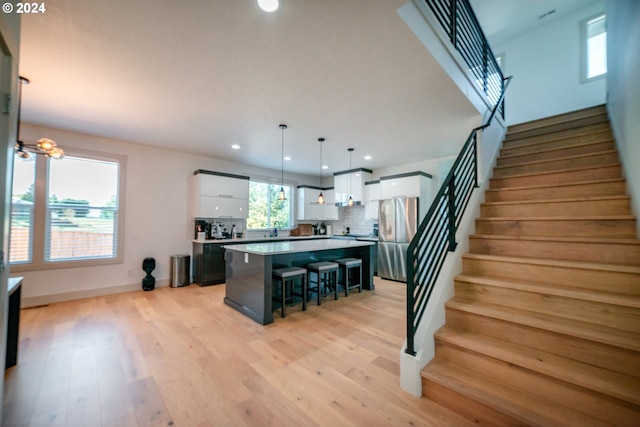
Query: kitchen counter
[208,255]
[260,239]
[249,267]
[276,248]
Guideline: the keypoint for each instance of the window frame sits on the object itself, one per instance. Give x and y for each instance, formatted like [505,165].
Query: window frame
[291,203]
[584,49]
[39,225]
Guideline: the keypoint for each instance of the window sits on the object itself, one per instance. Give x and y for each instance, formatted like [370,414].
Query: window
[594,48]
[265,210]
[66,212]
[22,197]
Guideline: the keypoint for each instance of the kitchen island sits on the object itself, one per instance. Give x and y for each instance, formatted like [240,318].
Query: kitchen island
[249,267]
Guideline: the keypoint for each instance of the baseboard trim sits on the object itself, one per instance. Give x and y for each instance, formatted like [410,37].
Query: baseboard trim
[40,300]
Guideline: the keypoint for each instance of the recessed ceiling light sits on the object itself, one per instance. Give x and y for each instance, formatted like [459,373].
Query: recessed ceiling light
[235,146]
[268,5]
[325,167]
[367,157]
[287,158]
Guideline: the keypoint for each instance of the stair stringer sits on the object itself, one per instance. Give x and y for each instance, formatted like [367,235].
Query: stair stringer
[489,144]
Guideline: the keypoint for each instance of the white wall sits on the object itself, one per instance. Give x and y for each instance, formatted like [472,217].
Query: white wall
[157,221]
[623,66]
[545,64]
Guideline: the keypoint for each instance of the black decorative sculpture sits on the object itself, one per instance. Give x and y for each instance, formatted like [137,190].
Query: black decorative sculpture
[149,282]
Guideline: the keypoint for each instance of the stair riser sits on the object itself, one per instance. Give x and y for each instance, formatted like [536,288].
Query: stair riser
[607,409]
[625,318]
[547,133]
[578,208]
[614,253]
[555,178]
[567,228]
[597,280]
[471,409]
[555,154]
[556,165]
[553,142]
[597,113]
[606,188]
[594,353]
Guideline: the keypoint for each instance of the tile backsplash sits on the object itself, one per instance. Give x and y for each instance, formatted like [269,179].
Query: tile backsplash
[354,218]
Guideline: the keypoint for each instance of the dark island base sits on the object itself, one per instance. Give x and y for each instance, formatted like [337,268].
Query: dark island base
[248,281]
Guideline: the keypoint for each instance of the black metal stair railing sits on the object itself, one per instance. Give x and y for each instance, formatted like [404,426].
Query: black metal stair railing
[436,235]
[457,19]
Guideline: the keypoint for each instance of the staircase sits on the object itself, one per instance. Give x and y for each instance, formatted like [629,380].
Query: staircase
[544,328]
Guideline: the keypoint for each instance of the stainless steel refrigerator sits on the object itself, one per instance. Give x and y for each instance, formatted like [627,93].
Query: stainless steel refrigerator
[398,222]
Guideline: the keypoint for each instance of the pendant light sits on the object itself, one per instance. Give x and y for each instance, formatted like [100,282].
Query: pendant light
[350,201]
[321,196]
[281,194]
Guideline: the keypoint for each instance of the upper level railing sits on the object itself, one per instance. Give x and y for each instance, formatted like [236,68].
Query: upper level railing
[436,235]
[459,22]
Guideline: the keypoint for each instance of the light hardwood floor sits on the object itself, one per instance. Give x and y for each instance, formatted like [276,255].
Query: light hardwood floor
[181,357]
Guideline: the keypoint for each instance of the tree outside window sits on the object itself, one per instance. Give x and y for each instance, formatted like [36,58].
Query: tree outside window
[265,210]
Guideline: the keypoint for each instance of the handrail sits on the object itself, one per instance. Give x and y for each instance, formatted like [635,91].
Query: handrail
[436,235]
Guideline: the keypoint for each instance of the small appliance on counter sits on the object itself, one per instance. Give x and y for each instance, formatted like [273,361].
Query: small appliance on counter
[322,229]
[375,230]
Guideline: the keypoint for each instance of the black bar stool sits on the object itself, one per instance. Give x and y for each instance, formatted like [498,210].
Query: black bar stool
[327,277]
[288,275]
[346,266]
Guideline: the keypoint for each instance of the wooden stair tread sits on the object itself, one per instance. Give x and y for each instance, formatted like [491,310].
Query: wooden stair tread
[532,410]
[563,200]
[614,384]
[559,263]
[567,184]
[549,150]
[597,132]
[593,111]
[555,290]
[603,240]
[521,139]
[574,328]
[531,174]
[560,218]
[538,162]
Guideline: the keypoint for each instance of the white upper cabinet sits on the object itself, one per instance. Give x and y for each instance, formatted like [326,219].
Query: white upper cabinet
[371,199]
[219,195]
[350,183]
[310,210]
[330,210]
[413,184]
[308,207]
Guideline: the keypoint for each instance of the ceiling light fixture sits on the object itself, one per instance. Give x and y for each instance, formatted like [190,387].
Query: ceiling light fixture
[281,194]
[269,5]
[367,157]
[350,201]
[321,196]
[235,146]
[45,146]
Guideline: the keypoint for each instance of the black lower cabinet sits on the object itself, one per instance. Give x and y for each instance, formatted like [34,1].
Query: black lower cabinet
[208,264]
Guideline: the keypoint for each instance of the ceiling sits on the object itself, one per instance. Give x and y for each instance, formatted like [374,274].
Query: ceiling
[201,76]
[502,20]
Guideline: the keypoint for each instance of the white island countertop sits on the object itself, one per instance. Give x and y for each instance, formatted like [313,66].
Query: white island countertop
[260,239]
[275,248]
